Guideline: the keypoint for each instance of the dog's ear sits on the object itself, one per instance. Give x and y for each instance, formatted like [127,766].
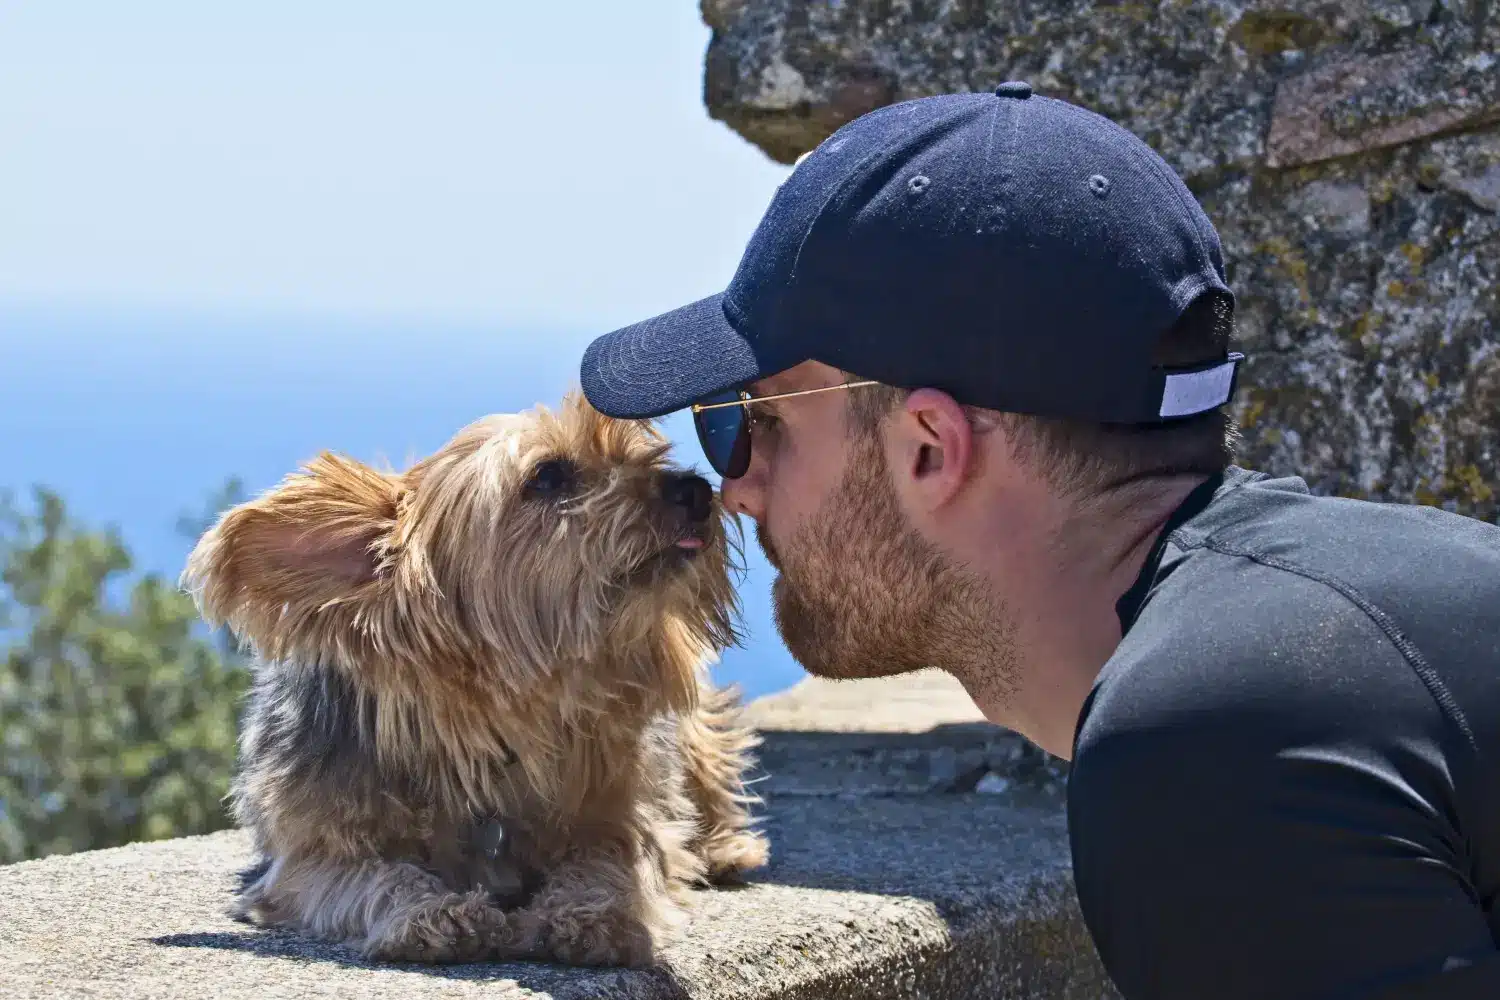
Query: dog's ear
[317,539]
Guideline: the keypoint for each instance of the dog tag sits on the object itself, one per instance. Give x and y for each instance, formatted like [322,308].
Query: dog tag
[491,838]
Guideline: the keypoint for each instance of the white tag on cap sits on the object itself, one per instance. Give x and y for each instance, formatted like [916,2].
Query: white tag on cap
[1194,392]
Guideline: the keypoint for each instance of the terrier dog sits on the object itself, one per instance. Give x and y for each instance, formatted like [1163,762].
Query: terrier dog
[481,725]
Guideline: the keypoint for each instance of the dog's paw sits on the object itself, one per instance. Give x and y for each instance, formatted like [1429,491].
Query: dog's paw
[612,940]
[729,857]
[459,928]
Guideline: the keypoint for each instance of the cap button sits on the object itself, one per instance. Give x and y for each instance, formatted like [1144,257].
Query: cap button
[1019,89]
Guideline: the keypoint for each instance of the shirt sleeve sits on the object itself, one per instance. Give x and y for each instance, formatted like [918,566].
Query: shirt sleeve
[1279,829]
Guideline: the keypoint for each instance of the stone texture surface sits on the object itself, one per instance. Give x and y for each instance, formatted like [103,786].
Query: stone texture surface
[889,879]
[915,734]
[1347,150]
[911,703]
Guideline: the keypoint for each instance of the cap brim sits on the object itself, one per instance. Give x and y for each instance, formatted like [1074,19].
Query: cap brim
[666,363]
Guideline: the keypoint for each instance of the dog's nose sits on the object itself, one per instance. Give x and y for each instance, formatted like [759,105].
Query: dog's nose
[692,493]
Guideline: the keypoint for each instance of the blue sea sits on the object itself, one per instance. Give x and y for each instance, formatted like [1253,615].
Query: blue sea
[137,416]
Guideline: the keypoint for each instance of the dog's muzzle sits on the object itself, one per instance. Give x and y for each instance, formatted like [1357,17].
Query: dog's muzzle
[691,494]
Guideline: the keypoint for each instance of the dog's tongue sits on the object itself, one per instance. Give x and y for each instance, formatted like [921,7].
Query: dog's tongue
[690,543]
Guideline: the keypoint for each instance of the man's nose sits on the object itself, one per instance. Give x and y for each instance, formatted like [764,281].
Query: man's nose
[746,495]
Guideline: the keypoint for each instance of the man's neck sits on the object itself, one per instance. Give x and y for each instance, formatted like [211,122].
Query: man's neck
[1064,608]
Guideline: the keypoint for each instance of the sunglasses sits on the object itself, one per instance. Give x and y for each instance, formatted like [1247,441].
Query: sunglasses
[723,423]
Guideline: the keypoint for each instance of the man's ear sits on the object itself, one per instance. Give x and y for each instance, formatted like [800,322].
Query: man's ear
[315,540]
[934,443]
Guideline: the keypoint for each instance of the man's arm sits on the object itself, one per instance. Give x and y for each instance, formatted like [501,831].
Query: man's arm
[1284,828]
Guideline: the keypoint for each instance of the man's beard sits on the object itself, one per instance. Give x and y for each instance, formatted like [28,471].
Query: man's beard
[862,594]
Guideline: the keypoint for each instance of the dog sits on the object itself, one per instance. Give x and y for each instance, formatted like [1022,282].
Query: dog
[481,725]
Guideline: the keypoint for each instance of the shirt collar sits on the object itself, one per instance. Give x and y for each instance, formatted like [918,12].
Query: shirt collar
[1129,604]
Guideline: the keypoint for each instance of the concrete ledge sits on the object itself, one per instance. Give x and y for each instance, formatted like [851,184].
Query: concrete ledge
[901,891]
[910,735]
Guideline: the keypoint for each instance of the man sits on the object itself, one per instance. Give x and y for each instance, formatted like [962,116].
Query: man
[970,383]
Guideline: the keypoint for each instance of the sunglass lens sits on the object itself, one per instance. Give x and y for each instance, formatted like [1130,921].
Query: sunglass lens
[724,434]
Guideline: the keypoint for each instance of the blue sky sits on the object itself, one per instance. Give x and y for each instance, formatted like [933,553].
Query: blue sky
[533,164]
[232,237]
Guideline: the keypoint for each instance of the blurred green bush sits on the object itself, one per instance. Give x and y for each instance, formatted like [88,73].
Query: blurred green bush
[118,709]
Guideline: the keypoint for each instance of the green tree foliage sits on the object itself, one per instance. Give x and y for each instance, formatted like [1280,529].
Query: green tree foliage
[118,712]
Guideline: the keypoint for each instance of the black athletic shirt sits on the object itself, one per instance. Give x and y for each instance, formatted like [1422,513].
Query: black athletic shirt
[1286,781]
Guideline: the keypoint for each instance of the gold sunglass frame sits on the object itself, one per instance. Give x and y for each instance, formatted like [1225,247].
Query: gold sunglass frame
[746,399]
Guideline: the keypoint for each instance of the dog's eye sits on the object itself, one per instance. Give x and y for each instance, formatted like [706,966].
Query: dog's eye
[551,477]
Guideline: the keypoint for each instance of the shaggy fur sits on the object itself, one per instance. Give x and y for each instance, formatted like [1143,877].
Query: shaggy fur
[481,726]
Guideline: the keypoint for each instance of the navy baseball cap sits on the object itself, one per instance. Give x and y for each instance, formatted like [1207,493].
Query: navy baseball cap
[1016,251]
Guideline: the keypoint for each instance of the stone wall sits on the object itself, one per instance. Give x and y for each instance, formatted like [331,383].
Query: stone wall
[1347,150]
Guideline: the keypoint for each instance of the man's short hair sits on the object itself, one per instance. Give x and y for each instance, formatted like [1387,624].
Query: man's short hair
[1083,459]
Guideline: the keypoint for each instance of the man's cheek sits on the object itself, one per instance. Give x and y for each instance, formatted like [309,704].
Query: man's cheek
[763,539]
[772,530]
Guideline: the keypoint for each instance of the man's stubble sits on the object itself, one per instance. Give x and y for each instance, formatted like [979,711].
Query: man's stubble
[860,593]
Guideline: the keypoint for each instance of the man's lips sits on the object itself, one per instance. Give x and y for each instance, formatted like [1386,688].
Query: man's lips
[689,542]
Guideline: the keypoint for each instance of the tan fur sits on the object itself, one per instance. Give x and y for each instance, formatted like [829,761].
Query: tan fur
[446,648]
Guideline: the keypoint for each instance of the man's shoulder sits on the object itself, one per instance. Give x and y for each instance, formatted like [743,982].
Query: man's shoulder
[1271,765]
[1393,553]
[1278,615]
[1233,649]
